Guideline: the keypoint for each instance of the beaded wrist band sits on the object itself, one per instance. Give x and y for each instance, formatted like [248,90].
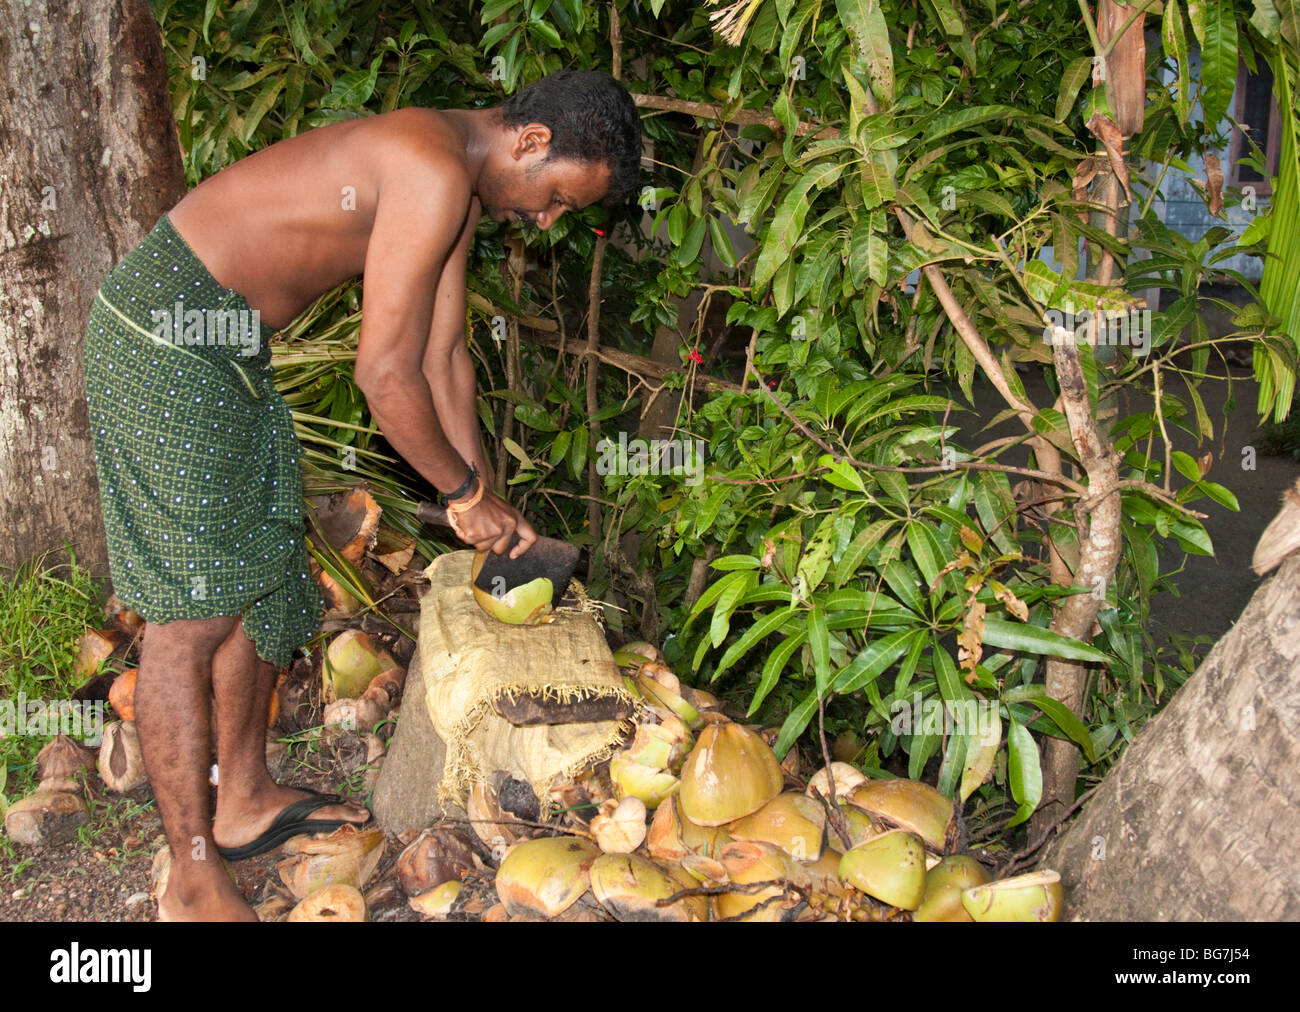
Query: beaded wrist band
[465,486]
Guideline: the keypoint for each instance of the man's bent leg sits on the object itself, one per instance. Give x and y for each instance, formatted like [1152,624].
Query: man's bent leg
[171,711]
[248,800]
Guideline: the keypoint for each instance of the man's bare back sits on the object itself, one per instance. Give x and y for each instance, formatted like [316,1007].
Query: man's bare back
[289,222]
[395,198]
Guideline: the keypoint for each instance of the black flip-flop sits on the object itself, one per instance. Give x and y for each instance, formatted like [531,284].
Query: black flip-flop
[292,821]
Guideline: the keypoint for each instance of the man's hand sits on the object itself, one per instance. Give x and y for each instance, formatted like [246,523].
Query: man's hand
[489,523]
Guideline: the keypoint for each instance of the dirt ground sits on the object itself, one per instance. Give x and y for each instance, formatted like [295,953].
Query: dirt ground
[104,874]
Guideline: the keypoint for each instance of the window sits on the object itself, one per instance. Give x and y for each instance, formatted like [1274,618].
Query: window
[1255,109]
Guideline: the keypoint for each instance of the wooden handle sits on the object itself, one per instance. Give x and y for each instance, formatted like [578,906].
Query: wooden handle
[431,513]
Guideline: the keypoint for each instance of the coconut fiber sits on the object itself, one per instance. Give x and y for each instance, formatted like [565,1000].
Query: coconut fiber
[471,662]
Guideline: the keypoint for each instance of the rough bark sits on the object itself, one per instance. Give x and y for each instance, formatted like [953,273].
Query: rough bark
[1200,819]
[1126,70]
[406,791]
[1098,555]
[89,160]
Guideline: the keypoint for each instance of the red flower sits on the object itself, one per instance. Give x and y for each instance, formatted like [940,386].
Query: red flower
[695,356]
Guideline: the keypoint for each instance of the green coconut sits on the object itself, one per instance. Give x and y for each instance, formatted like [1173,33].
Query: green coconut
[1035,896]
[729,774]
[907,804]
[890,867]
[793,822]
[630,887]
[944,884]
[665,701]
[635,780]
[523,605]
[546,875]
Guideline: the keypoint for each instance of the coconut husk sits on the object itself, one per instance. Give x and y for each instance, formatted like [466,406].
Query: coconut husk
[64,757]
[334,903]
[121,763]
[46,817]
[438,855]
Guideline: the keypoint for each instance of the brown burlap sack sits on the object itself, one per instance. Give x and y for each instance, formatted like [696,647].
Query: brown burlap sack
[469,660]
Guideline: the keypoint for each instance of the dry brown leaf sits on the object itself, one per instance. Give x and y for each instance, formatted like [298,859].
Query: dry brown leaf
[1213,183]
[1105,130]
[970,641]
[1083,176]
[1013,604]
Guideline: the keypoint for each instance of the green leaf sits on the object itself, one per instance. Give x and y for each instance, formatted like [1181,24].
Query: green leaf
[578,451]
[964,119]
[795,723]
[1023,771]
[951,687]
[925,550]
[776,662]
[996,507]
[1216,31]
[901,582]
[1175,45]
[873,659]
[765,626]
[560,446]
[1036,640]
[260,106]
[1059,714]
[353,89]
[689,251]
[816,558]
[786,230]
[1079,70]
[877,178]
[721,242]
[841,473]
[820,641]
[543,32]
[536,417]
[858,550]
[729,562]
[864,20]
[948,17]
[727,602]
[1220,495]
[1191,535]
[1186,466]
[716,590]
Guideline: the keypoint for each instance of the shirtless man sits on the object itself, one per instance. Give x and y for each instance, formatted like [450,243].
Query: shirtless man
[194,448]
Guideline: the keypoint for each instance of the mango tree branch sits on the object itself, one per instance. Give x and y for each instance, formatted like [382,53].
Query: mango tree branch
[1048,456]
[722,114]
[1099,553]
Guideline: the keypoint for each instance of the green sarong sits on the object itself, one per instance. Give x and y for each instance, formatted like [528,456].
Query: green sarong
[195,451]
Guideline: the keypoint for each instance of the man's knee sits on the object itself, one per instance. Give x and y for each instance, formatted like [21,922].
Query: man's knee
[187,639]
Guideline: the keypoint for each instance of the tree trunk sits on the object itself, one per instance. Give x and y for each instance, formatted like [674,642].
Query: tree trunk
[1200,819]
[89,160]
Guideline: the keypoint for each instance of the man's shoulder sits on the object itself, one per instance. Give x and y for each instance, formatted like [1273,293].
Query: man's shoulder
[423,136]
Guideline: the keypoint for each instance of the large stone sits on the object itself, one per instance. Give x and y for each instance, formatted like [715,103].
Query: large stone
[406,793]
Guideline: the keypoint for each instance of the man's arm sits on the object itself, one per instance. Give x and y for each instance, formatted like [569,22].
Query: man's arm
[447,366]
[410,243]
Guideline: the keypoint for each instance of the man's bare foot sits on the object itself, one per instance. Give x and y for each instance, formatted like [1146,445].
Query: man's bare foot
[204,896]
[240,822]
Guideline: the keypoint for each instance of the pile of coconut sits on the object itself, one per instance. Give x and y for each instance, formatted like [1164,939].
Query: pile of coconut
[697,820]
